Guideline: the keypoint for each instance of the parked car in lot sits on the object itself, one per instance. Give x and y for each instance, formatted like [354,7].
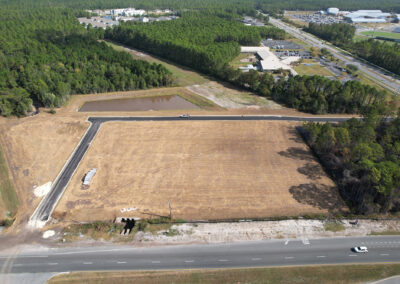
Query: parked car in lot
[360,249]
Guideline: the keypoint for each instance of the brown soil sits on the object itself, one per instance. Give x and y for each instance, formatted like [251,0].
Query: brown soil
[207,170]
[36,149]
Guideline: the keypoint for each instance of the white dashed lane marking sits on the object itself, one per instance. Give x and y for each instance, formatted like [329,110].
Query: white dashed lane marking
[121,262]
[189,261]
[289,257]
[321,256]
[223,260]
[53,263]
[88,263]
[352,255]
[156,261]
[255,259]
[384,254]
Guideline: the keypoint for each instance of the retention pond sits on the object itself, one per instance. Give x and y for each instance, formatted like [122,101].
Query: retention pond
[139,104]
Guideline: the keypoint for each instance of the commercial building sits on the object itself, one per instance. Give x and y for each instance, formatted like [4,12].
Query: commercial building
[333,11]
[98,22]
[367,16]
[269,61]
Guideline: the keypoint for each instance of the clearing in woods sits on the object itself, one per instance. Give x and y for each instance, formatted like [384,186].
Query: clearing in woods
[205,169]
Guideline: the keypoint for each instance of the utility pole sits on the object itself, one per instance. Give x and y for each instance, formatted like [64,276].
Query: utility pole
[170,210]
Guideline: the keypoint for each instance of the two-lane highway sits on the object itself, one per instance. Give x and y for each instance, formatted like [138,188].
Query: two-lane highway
[246,254]
[49,202]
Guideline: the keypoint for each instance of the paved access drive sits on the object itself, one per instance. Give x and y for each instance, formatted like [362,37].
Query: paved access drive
[246,254]
[49,202]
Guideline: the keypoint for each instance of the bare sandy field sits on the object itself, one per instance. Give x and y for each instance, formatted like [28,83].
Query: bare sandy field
[36,149]
[206,170]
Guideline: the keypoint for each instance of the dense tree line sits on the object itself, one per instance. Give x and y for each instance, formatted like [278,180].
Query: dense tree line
[208,43]
[202,41]
[317,94]
[314,94]
[236,6]
[45,55]
[380,53]
[337,33]
[363,157]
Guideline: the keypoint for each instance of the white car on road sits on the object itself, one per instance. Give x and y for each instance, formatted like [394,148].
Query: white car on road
[184,115]
[360,249]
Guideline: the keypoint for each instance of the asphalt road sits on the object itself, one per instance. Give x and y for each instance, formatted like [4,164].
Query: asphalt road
[247,254]
[49,202]
[374,72]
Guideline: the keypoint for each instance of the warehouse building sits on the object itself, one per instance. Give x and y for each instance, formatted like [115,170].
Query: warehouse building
[333,11]
[367,16]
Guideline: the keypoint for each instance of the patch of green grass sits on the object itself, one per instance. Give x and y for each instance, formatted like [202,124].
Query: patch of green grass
[236,62]
[382,34]
[183,75]
[366,80]
[200,101]
[7,192]
[357,38]
[314,69]
[327,274]
[385,233]
[333,226]
[96,230]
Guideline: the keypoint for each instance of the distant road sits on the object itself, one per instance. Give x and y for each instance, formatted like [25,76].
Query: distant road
[49,202]
[374,72]
[228,255]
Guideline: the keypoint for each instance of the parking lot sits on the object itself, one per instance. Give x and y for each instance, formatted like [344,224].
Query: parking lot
[283,48]
[281,44]
[317,18]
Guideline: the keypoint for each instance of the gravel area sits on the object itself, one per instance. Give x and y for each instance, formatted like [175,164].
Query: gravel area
[247,231]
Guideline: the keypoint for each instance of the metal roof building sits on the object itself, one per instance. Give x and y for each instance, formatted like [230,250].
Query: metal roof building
[366,20]
[333,11]
[268,60]
[367,16]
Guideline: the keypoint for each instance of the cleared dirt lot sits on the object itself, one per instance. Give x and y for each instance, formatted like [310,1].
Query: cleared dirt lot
[36,149]
[206,169]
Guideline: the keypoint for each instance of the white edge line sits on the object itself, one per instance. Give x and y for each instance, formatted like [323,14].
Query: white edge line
[59,174]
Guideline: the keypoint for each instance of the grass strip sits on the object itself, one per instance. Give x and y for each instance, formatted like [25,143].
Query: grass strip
[312,69]
[385,233]
[299,274]
[199,101]
[7,191]
[184,76]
